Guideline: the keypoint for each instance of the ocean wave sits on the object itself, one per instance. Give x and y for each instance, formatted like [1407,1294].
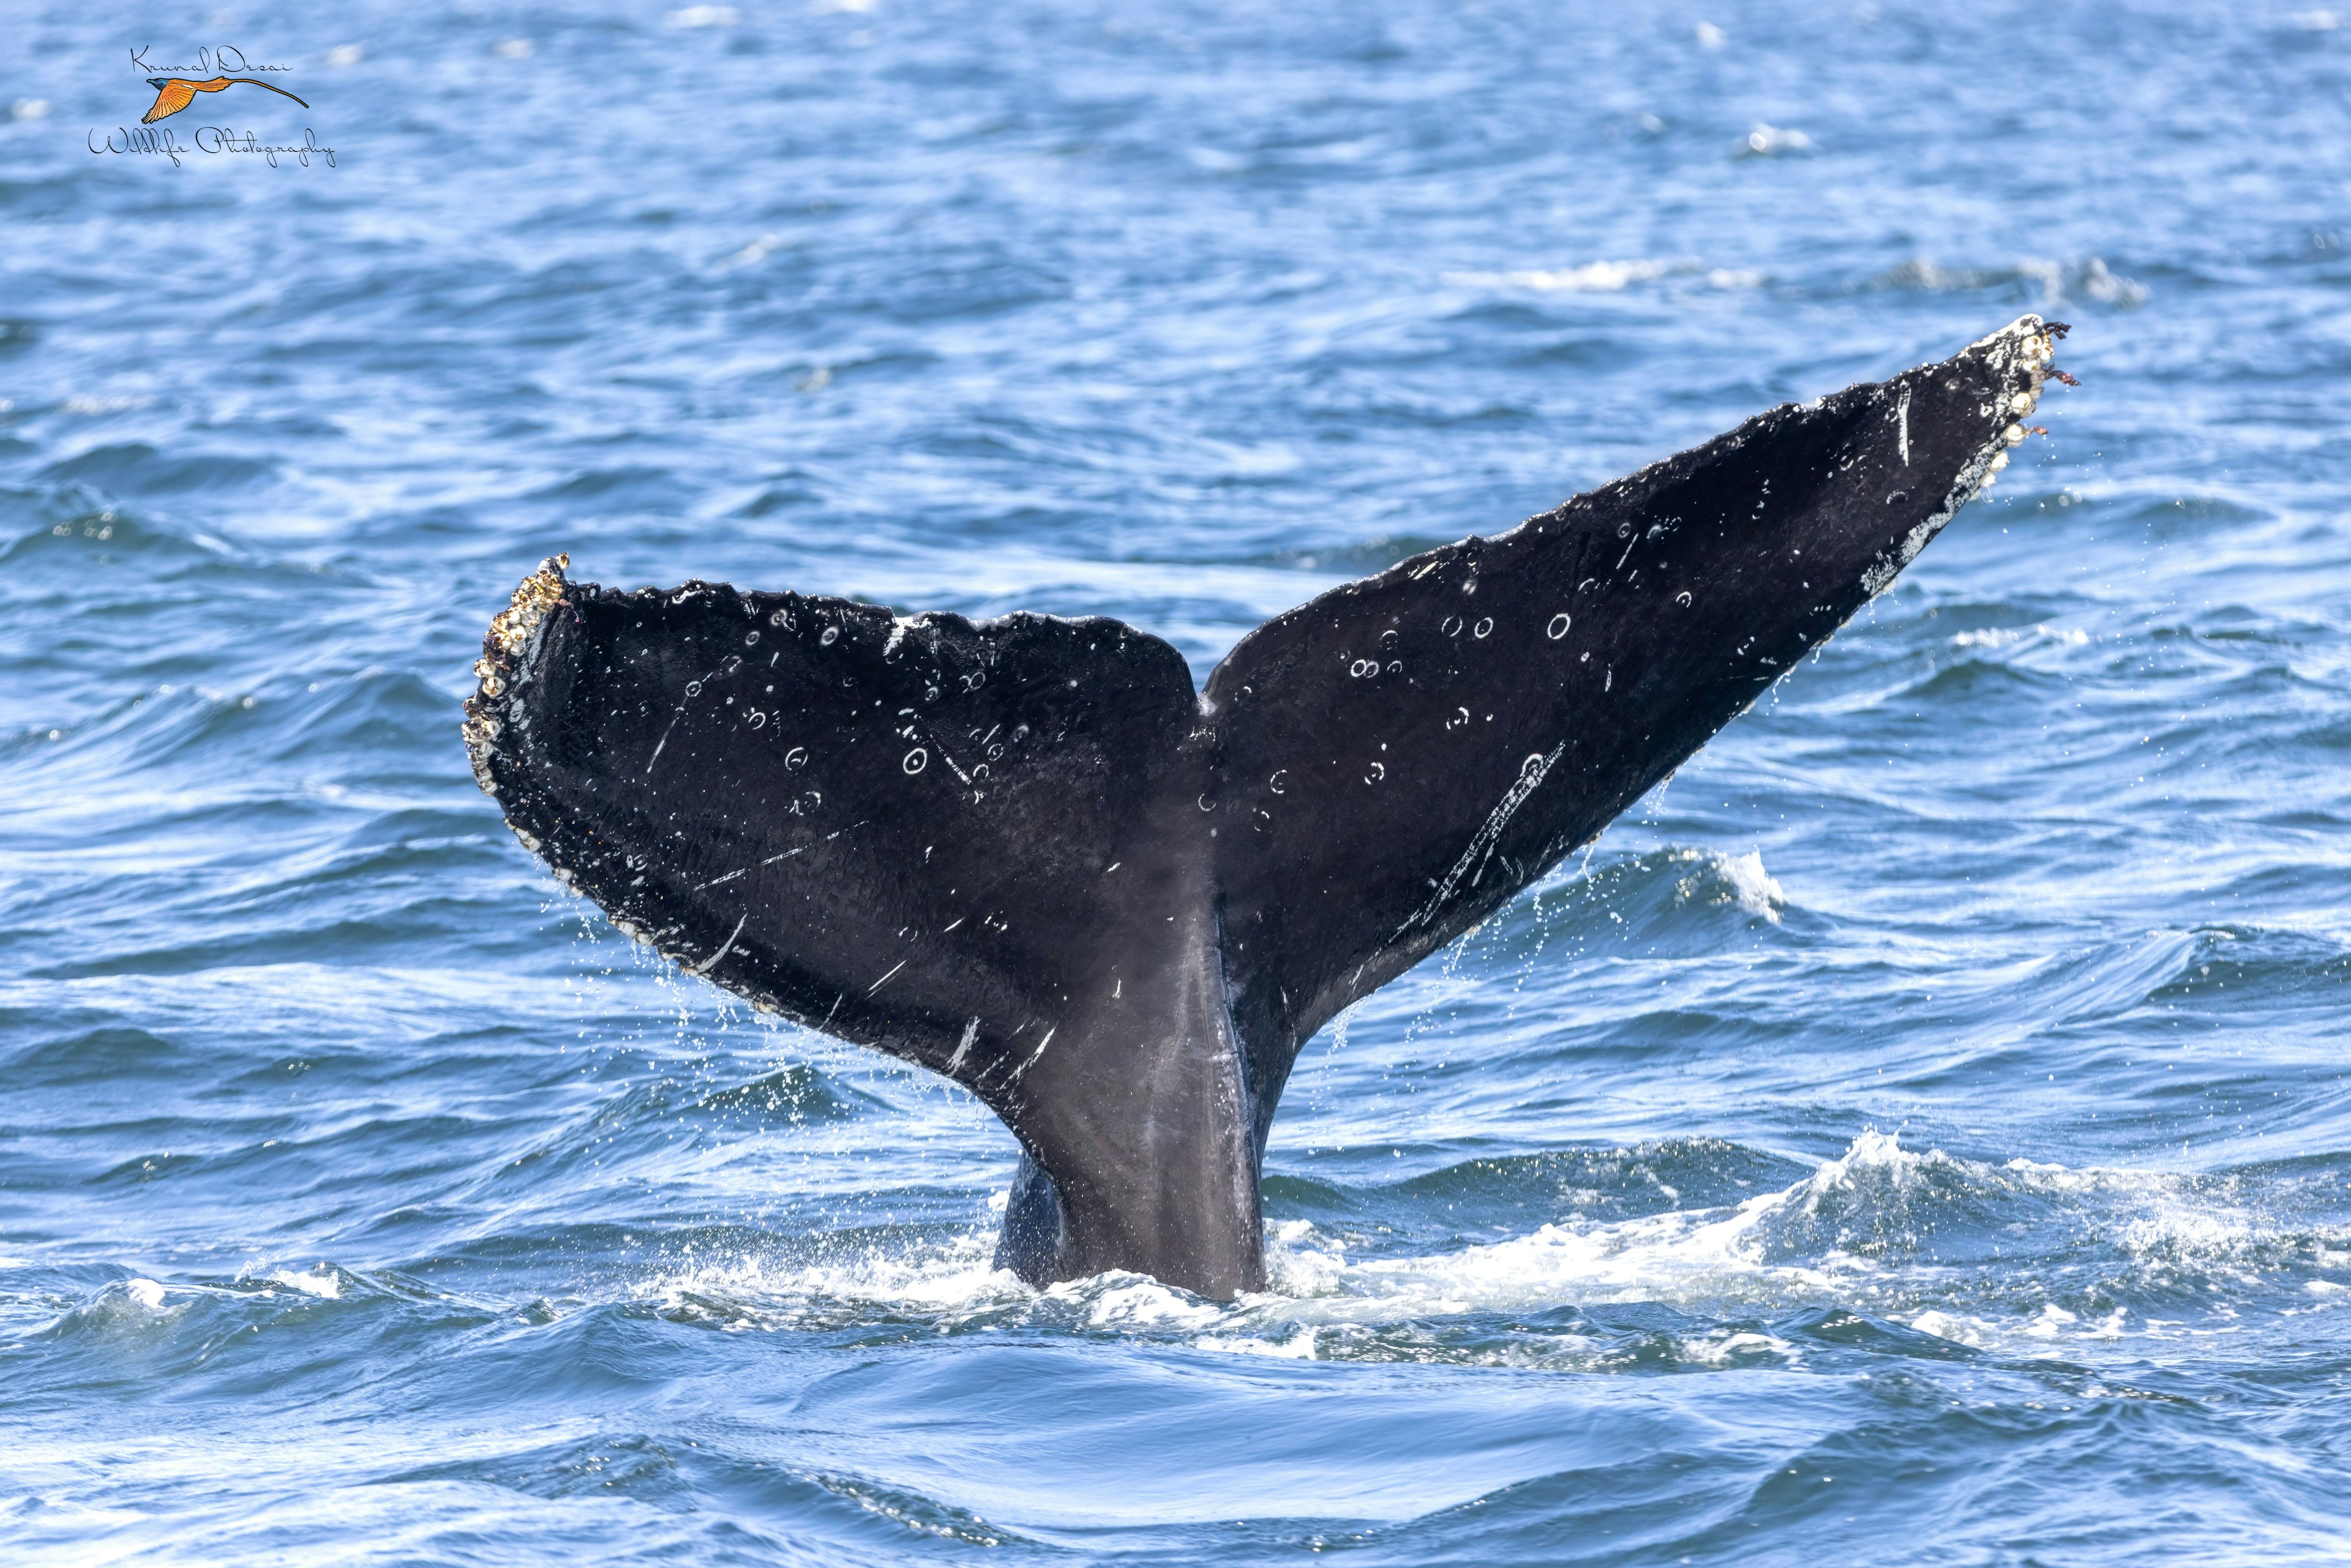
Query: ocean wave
[76,529]
[2013,1258]
[138,468]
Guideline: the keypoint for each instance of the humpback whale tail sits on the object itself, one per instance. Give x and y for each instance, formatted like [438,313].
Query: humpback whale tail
[1027,855]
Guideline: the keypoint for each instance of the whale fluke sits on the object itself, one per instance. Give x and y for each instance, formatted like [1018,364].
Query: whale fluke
[1026,855]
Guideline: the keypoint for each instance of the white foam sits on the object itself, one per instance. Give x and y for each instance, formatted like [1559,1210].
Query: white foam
[1300,1346]
[1143,1304]
[2053,1319]
[1740,1256]
[322,1281]
[757,1291]
[1722,1352]
[1771,1253]
[1662,1257]
[146,1292]
[2171,1229]
[1738,880]
[1958,1330]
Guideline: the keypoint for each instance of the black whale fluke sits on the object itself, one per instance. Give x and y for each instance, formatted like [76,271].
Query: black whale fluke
[1025,853]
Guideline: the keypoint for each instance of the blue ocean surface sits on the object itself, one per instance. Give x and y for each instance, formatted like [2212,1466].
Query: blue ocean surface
[1918,1133]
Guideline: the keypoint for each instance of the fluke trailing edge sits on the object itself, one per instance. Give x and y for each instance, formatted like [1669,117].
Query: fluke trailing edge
[1027,855]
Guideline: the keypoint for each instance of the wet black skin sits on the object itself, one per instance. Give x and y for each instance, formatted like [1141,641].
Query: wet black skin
[1026,853]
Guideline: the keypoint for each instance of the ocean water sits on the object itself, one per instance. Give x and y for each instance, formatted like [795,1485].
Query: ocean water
[1918,1133]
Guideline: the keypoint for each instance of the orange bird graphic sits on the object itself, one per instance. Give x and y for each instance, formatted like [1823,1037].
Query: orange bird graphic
[173,94]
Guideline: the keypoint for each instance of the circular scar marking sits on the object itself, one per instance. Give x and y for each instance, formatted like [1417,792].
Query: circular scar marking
[917,760]
[1559,625]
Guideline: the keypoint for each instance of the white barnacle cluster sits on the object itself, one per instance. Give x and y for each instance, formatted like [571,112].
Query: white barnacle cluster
[511,630]
[2034,346]
[2038,351]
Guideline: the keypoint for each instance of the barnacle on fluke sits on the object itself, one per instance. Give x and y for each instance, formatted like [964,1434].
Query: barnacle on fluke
[1026,853]
[503,646]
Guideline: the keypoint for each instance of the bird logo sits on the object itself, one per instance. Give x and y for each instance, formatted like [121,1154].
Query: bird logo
[173,94]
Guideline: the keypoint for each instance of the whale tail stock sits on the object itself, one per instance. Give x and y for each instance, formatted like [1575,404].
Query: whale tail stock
[1026,855]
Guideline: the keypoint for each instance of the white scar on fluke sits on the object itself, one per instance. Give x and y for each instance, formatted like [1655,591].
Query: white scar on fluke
[725,947]
[1489,833]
